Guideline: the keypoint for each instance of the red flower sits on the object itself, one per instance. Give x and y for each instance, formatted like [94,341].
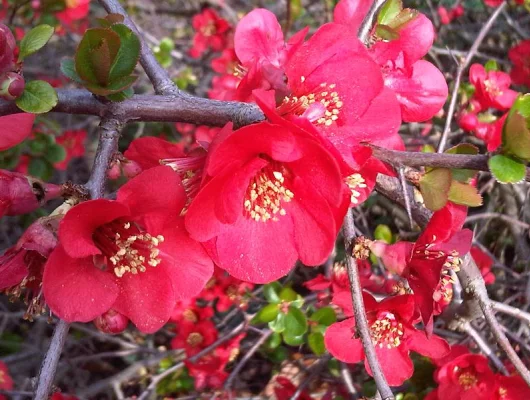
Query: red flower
[20,194]
[193,337]
[227,291]
[425,262]
[511,388]
[520,57]
[74,11]
[131,255]
[466,377]
[393,334]
[15,128]
[73,143]
[265,181]
[187,311]
[211,32]
[284,389]
[447,16]
[148,151]
[224,87]
[6,383]
[492,88]
[22,266]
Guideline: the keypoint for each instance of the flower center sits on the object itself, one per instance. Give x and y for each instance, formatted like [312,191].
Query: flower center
[386,331]
[126,247]
[209,29]
[194,339]
[231,292]
[467,379]
[321,106]
[492,88]
[265,194]
[189,315]
[355,181]
[502,393]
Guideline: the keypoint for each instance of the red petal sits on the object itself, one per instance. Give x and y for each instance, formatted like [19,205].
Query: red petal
[75,290]
[15,128]
[188,264]
[148,151]
[79,223]
[351,12]
[245,249]
[156,194]
[433,347]
[395,364]
[147,298]
[340,342]
[12,268]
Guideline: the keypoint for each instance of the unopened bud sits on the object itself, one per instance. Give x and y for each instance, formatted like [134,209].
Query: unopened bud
[114,172]
[131,168]
[11,86]
[8,45]
[111,322]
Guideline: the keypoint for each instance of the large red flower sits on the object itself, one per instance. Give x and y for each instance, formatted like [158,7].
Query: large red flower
[266,181]
[132,255]
[393,334]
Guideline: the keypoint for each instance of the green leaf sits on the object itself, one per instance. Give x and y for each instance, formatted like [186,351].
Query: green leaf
[506,169]
[403,18]
[491,65]
[35,40]
[92,42]
[389,11]
[467,195]
[325,316]
[383,232]
[68,70]
[40,168]
[288,294]
[271,292]
[273,341]
[293,340]
[166,45]
[316,343]
[38,97]
[128,54]
[386,33]
[113,87]
[278,325]
[295,322]
[463,175]
[516,131]
[55,153]
[267,313]
[434,187]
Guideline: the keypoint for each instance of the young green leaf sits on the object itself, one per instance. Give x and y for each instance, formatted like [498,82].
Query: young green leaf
[506,169]
[316,343]
[467,195]
[295,322]
[38,97]
[128,54]
[434,187]
[35,40]
[68,70]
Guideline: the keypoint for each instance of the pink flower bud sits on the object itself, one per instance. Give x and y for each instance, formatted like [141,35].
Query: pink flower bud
[20,194]
[114,171]
[468,122]
[111,322]
[131,168]
[11,85]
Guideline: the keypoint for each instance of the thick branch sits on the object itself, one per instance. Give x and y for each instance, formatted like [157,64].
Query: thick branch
[49,365]
[460,72]
[348,232]
[195,110]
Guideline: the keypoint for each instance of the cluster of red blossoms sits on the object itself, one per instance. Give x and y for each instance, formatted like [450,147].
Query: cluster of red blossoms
[252,201]
[464,375]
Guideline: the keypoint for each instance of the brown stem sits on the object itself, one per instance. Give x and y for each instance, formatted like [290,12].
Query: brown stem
[368,21]
[348,231]
[49,365]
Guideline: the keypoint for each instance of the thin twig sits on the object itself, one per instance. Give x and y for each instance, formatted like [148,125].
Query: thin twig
[49,365]
[512,311]
[348,381]
[460,72]
[484,347]
[368,21]
[248,355]
[502,217]
[348,231]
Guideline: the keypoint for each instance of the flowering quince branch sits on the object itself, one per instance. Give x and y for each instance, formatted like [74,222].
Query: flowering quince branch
[368,21]
[484,346]
[348,232]
[460,72]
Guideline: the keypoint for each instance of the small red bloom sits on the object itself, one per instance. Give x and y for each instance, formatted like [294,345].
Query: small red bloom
[265,181]
[111,322]
[20,194]
[284,389]
[193,337]
[74,11]
[15,128]
[520,57]
[492,88]
[132,255]
[22,266]
[425,262]
[226,291]
[393,334]
[211,32]
[73,143]
[511,388]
